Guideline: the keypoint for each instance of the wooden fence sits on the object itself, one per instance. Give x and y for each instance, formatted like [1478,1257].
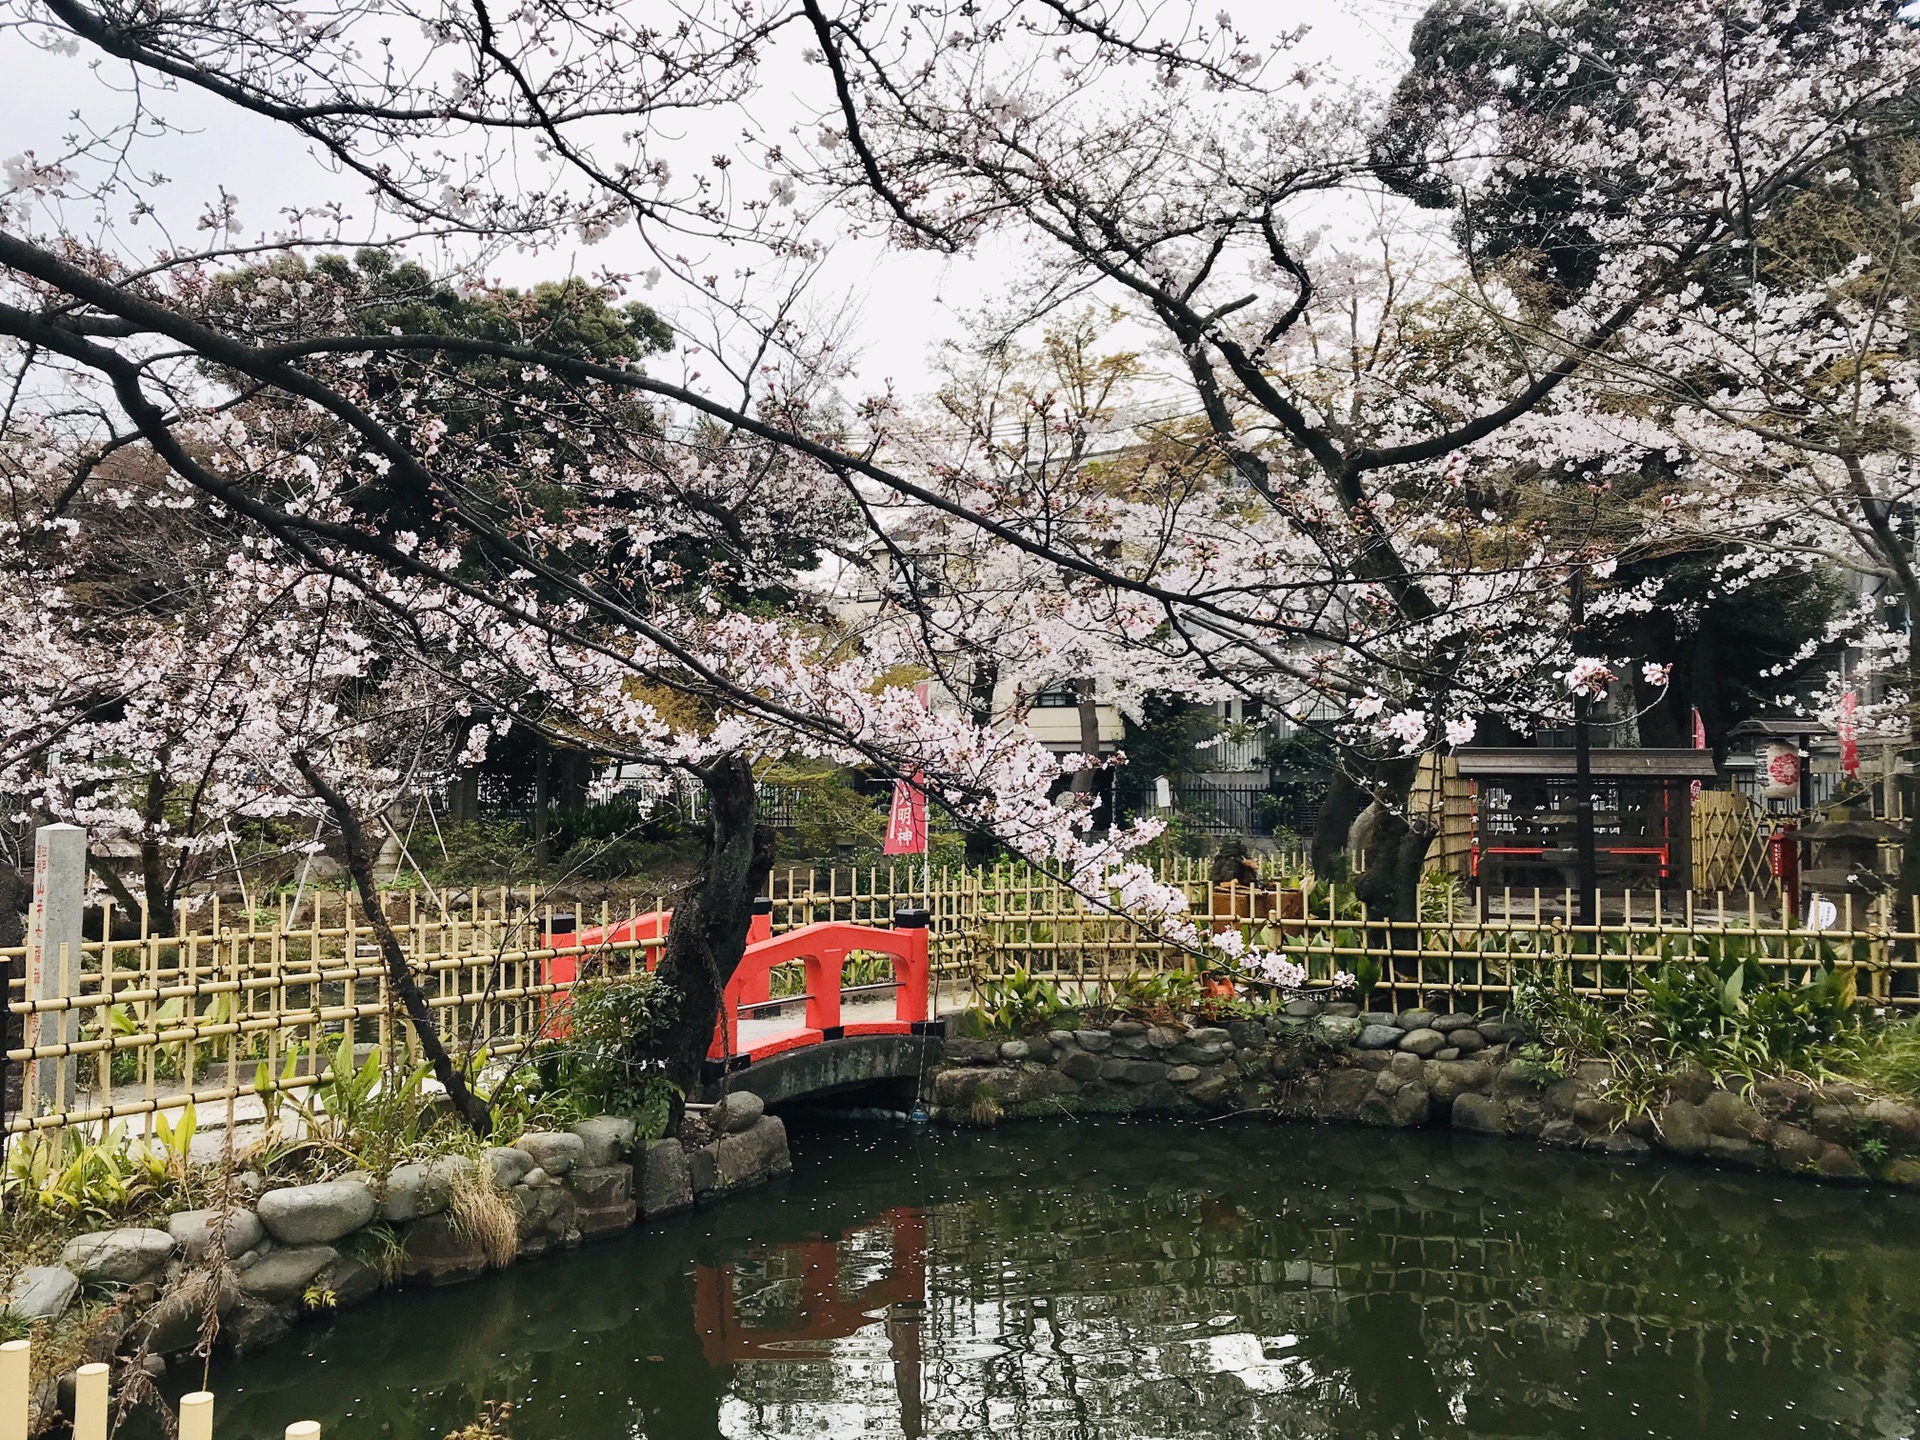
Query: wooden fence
[247,1008]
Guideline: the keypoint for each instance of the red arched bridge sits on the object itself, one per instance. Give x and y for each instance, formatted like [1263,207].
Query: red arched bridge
[831,1035]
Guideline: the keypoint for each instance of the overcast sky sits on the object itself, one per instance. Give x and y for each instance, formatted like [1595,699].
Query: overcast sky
[899,306]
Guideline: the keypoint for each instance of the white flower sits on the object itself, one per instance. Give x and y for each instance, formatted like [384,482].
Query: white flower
[1460,729]
[1657,676]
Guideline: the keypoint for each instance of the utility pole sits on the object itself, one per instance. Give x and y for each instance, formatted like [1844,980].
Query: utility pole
[1588,910]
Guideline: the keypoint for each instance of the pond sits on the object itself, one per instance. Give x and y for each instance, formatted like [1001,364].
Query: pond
[1110,1280]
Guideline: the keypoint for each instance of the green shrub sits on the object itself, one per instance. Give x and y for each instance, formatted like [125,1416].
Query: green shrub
[611,1062]
[1020,1002]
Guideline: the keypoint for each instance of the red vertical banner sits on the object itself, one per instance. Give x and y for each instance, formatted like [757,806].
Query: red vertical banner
[1849,737]
[907,816]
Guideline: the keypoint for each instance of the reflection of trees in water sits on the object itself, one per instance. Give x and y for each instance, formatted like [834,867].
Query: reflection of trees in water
[1120,1281]
[1388,1289]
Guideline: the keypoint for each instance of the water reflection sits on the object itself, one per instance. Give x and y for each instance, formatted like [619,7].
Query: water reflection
[1121,1280]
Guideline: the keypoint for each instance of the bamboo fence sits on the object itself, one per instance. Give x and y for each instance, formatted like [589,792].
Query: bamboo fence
[245,1008]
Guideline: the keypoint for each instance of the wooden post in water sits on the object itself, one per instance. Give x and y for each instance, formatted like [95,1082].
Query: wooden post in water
[196,1416]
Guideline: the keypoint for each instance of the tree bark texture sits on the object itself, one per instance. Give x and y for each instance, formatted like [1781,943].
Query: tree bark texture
[710,917]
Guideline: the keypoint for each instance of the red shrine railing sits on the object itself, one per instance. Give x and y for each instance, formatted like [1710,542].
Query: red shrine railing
[821,949]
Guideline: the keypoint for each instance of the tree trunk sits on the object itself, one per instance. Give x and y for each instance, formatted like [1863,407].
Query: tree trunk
[153,869]
[1390,885]
[1085,780]
[983,847]
[360,865]
[710,917]
[1341,807]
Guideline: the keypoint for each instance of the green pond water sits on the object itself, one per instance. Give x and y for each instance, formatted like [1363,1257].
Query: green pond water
[1114,1280]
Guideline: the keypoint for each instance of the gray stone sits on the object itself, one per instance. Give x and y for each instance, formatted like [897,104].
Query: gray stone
[1378,1037]
[1447,1081]
[754,1156]
[1626,1146]
[1410,1105]
[1014,1051]
[118,1257]
[1302,1009]
[1450,1052]
[1209,1035]
[1406,1066]
[1728,1115]
[1422,1041]
[1477,1114]
[174,1322]
[508,1165]
[1447,1024]
[1378,1017]
[666,1179]
[412,1191]
[1562,1132]
[548,1219]
[1164,1037]
[1133,1072]
[286,1273]
[1081,1065]
[1346,1009]
[1794,1148]
[1333,1029]
[554,1151]
[703,1169]
[1836,1124]
[1247,1034]
[1061,1039]
[1094,1040]
[608,1139]
[1836,1162]
[1415,1019]
[1466,1041]
[41,1292]
[316,1214]
[1213,1089]
[435,1251]
[1346,1092]
[350,1280]
[1500,1031]
[1683,1130]
[1120,1029]
[607,1204]
[537,1179]
[1135,1046]
[193,1232]
[254,1325]
[1209,1054]
[1731,1150]
[1182,1074]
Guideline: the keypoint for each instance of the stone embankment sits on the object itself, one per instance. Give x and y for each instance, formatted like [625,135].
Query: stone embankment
[288,1252]
[1417,1068]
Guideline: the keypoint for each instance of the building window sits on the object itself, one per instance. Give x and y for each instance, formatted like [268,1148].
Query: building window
[1061,695]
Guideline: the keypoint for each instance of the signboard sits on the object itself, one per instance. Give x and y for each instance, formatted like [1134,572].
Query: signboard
[1782,771]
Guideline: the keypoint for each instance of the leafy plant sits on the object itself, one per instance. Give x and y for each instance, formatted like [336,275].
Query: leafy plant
[76,1176]
[611,1063]
[1158,995]
[1535,1065]
[1020,1002]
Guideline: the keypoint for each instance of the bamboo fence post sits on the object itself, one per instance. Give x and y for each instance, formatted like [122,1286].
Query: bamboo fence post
[90,1402]
[16,1389]
[196,1416]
